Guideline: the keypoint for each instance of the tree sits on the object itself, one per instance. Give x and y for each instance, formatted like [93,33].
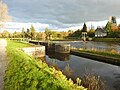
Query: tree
[40,36]
[114,27]
[5,34]
[23,33]
[4,16]
[27,34]
[76,34]
[48,33]
[91,33]
[84,29]
[108,27]
[32,32]
[113,20]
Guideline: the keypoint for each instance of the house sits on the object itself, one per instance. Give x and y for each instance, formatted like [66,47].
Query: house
[100,32]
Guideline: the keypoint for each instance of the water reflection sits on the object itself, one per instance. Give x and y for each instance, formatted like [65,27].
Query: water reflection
[78,67]
[59,56]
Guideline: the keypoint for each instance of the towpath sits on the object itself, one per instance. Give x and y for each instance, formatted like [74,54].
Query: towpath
[3,61]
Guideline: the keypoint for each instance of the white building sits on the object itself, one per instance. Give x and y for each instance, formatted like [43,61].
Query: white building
[100,32]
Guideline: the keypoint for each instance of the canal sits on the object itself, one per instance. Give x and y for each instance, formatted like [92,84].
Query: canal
[80,66]
[92,45]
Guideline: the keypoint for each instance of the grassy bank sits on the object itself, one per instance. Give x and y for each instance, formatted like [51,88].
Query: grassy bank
[27,73]
[108,54]
[112,58]
[107,39]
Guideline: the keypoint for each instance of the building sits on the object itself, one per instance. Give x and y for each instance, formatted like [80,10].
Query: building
[100,32]
[84,32]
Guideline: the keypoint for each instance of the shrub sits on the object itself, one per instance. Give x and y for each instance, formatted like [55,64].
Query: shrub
[93,82]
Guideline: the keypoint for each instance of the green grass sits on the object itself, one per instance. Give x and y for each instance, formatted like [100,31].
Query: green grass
[107,39]
[109,54]
[26,73]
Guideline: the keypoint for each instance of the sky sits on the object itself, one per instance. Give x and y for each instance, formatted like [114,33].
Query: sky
[60,14]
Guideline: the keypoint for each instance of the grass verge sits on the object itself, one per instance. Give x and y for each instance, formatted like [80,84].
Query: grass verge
[107,57]
[26,73]
[109,54]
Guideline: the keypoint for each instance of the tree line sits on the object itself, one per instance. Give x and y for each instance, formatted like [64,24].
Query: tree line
[32,34]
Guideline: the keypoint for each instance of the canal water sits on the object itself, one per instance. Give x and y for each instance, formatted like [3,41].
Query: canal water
[91,45]
[80,66]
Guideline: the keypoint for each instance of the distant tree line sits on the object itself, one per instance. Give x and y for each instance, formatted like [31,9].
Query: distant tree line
[48,34]
[32,34]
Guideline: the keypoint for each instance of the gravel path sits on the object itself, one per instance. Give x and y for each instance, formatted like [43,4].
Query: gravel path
[3,62]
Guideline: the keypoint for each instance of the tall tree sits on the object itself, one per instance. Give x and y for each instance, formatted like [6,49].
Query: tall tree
[108,27]
[113,20]
[4,16]
[32,32]
[23,33]
[48,33]
[27,34]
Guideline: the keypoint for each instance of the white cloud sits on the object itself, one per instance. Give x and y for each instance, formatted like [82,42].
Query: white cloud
[16,26]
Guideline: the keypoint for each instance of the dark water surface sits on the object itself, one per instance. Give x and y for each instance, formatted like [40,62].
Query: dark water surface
[109,73]
[79,65]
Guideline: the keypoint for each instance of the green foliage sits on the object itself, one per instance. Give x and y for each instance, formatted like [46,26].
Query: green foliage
[115,34]
[27,34]
[27,73]
[23,33]
[107,39]
[77,34]
[16,35]
[108,27]
[32,32]
[91,33]
[48,33]
[5,34]
[111,53]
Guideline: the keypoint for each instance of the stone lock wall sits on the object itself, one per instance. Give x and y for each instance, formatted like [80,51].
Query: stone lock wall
[38,51]
[62,48]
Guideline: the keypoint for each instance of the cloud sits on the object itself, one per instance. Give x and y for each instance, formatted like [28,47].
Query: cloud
[17,26]
[62,13]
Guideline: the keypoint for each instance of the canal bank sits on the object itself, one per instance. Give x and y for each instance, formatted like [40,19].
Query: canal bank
[106,39]
[96,57]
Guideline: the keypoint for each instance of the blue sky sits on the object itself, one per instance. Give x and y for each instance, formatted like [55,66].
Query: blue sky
[62,13]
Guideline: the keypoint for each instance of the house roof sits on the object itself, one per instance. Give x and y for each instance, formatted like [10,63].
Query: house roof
[100,29]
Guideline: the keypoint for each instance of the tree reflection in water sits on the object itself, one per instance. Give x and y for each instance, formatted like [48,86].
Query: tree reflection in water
[59,56]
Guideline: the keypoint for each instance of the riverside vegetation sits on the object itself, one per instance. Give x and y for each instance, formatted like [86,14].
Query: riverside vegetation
[27,73]
[104,53]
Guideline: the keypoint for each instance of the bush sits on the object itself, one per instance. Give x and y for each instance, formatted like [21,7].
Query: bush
[93,82]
